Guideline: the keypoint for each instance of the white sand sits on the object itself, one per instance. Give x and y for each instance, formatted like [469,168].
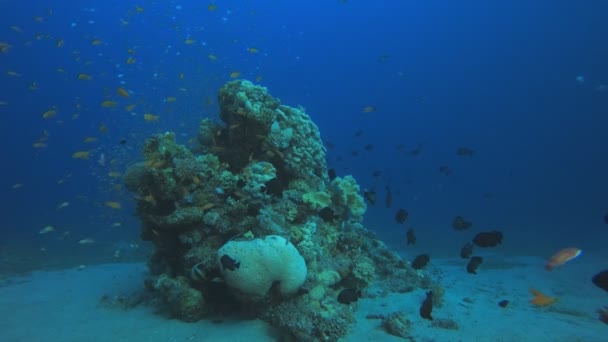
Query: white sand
[64,306]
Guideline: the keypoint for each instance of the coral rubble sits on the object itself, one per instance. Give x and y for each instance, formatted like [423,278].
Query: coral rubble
[259,174]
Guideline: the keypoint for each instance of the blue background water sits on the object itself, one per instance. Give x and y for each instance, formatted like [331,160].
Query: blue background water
[497,77]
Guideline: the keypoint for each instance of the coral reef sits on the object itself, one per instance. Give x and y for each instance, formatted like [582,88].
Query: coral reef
[254,199]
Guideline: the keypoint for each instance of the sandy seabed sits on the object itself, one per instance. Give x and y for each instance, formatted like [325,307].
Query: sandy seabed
[65,306]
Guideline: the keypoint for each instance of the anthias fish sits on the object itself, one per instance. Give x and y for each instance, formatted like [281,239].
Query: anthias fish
[562,257]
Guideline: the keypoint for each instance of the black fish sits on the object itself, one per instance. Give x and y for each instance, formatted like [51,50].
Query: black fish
[359,133]
[503,303]
[377,173]
[389,197]
[401,216]
[370,196]
[606,218]
[122,141]
[465,152]
[466,250]
[420,261]
[459,223]
[228,263]
[601,280]
[445,170]
[473,264]
[427,306]
[411,237]
[488,239]
[327,214]
[348,296]
[368,147]
[331,173]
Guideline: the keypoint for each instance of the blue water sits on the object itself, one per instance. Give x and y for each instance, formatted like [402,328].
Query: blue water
[523,84]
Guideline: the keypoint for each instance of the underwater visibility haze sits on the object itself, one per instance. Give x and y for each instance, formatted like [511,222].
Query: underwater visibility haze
[304,170]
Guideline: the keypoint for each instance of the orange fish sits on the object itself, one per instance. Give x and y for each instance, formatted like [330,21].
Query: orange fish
[541,299]
[562,257]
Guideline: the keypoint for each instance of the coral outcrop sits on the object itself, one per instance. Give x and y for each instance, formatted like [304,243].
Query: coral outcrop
[259,175]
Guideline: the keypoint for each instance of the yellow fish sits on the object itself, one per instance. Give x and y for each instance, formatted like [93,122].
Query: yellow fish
[130,107]
[130,60]
[541,299]
[253,50]
[212,56]
[90,139]
[114,174]
[113,205]
[84,77]
[108,104]
[171,99]
[368,109]
[150,117]
[235,74]
[49,114]
[189,41]
[212,7]
[96,42]
[139,9]
[81,155]
[39,145]
[122,92]
[59,43]
[103,128]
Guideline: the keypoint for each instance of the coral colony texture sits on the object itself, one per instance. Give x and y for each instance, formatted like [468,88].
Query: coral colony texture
[248,222]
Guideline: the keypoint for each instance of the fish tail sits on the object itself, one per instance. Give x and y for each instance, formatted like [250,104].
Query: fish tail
[549,266]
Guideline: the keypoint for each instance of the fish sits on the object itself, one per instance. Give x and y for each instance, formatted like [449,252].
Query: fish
[89,140]
[189,41]
[150,117]
[235,74]
[368,109]
[562,257]
[81,155]
[46,230]
[4,47]
[331,173]
[212,57]
[96,42]
[49,114]
[541,299]
[603,315]
[606,218]
[113,205]
[122,92]
[228,263]
[420,261]
[465,152]
[427,306]
[84,77]
[131,60]
[108,104]
[389,197]
[369,196]
[474,262]
[459,223]
[503,303]
[444,169]
[488,239]
[348,296]
[601,280]
[86,241]
[63,205]
[211,7]
[411,237]
[466,250]
[401,216]
[253,50]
